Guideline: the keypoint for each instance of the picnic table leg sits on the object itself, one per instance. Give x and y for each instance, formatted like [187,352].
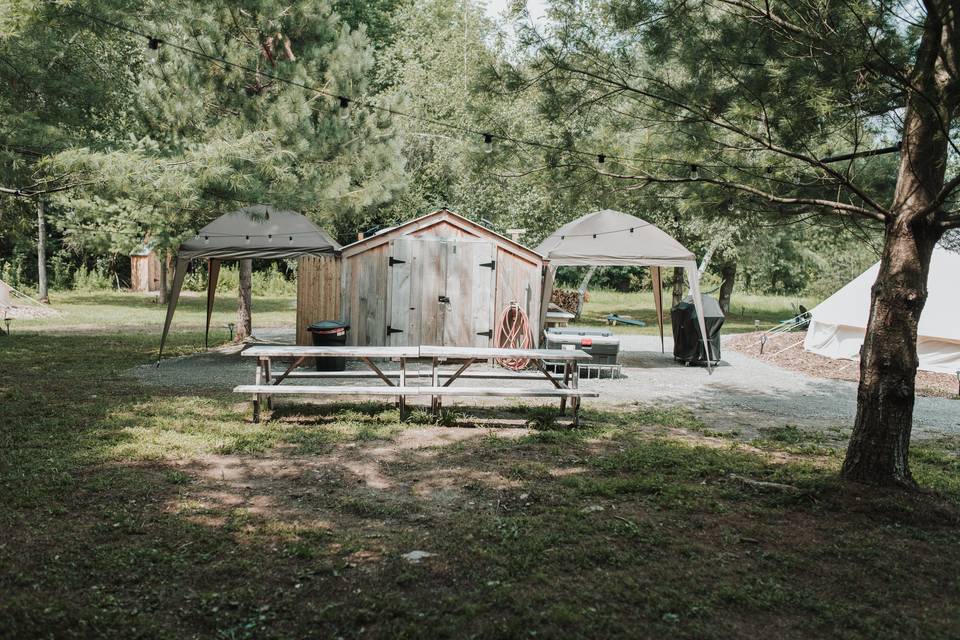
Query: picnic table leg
[402,400]
[266,372]
[258,378]
[575,400]
[566,383]
[435,377]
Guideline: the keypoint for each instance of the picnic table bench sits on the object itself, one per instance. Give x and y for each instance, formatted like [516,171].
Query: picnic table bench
[396,382]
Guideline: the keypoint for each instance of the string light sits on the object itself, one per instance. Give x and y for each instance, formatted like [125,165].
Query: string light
[206,239]
[247,240]
[153,50]
[269,237]
[291,240]
[344,104]
[694,172]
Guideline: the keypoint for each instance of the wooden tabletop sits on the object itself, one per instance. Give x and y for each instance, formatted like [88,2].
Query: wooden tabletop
[493,352]
[279,351]
[479,353]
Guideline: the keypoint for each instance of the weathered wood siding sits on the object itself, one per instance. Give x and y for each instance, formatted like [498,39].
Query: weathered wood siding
[518,280]
[442,254]
[145,273]
[318,293]
[365,280]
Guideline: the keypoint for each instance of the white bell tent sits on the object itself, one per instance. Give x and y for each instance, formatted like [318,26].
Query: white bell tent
[839,323]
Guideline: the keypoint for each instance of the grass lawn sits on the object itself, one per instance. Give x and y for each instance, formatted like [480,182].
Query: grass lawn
[746,309]
[140,512]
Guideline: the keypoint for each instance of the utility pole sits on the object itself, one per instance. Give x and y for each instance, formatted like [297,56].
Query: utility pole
[42,254]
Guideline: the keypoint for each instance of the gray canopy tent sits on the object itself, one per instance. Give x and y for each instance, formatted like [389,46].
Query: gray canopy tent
[260,231]
[612,238]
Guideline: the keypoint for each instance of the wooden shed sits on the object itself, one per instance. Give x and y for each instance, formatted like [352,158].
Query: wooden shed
[145,269]
[438,279]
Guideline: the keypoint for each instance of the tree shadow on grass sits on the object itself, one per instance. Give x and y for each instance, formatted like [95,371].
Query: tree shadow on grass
[250,532]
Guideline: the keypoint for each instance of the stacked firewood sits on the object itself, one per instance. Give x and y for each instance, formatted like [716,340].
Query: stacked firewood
[566,299]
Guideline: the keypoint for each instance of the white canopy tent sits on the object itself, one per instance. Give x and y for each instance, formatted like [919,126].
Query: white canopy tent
[839,323]
[612,238]
[259,231]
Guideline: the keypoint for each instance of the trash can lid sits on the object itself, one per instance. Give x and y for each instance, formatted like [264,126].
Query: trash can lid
[328,325]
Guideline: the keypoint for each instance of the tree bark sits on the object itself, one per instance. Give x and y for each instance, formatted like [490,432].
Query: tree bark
[244,323]
[677,286]
[728,274]
[879,446]
[42,289]
[164,279]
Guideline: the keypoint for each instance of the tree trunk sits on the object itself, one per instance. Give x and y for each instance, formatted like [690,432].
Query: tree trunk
[728,274]
[164,279]
[677,286]
[42,291]
[879,446]
[244,324]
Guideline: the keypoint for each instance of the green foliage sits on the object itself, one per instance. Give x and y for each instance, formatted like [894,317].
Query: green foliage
[95,279]
[270,281]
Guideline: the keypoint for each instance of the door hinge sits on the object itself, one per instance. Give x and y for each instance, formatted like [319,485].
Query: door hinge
[394,261]
[391,330]
[490,265]
[488,333]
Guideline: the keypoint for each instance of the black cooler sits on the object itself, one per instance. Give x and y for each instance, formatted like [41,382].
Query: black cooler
[687,344]
[329,333]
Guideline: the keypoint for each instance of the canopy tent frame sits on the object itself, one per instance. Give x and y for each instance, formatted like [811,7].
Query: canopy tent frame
[624,240]
[260,231]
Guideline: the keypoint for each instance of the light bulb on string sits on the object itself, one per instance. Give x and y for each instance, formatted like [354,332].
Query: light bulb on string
[730,206]
[487,143]
[247,241]
[153,50]
[206,239]
[291,240]
[269,237]
[694,172]
[601,158]
[344,107]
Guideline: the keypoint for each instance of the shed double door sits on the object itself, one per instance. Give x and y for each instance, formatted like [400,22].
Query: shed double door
[441,292]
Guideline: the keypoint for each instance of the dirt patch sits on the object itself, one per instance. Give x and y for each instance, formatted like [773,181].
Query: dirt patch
[786,351]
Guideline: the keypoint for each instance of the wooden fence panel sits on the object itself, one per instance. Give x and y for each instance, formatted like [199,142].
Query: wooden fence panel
[318,293]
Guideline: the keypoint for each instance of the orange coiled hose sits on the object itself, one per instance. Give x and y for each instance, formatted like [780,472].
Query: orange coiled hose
[513,332]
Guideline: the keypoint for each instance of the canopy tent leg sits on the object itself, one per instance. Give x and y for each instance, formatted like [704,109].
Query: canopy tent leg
[213,274]
[693,279]
[179,273]
[658,301]
[549,275]
[582,289]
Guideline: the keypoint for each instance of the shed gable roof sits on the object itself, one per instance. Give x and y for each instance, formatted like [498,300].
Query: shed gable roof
[431,219]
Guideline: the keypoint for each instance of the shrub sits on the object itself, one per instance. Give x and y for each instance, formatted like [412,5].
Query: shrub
[91,279]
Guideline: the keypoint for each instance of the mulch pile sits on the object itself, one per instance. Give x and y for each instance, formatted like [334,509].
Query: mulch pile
[786,351]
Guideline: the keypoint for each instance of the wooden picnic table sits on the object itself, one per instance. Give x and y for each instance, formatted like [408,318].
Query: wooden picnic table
[266,384]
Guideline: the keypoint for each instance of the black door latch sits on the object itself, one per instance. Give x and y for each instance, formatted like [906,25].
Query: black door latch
[444,299]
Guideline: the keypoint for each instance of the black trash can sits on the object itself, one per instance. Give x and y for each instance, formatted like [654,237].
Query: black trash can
[329,333]
[688,345]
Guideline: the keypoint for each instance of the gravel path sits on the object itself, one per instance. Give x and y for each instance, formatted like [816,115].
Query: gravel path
[742,394]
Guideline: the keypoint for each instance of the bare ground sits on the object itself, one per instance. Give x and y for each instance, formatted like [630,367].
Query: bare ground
[786,351]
